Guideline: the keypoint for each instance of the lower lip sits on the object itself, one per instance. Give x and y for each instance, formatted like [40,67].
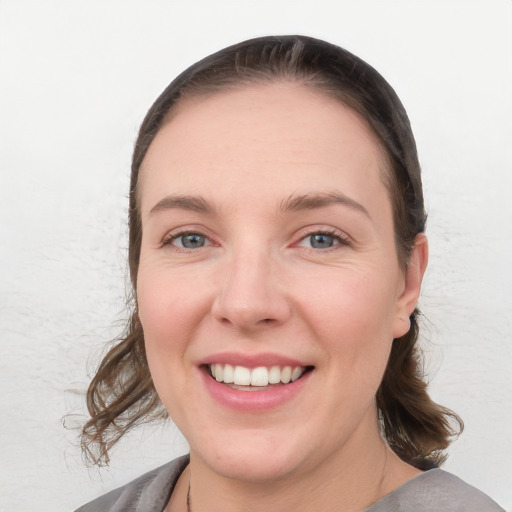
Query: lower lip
[253,401]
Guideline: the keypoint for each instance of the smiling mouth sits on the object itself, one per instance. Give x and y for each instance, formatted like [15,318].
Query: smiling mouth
[256,379]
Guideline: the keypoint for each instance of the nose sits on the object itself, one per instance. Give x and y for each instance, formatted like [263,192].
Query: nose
[251,293]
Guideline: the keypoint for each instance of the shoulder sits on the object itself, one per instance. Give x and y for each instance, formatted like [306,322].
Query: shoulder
[436,490]
[148,493]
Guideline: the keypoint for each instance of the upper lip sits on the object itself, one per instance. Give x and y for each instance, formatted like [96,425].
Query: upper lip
[251,360]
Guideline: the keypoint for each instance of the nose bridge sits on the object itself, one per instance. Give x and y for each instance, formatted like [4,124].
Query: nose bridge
[249,294]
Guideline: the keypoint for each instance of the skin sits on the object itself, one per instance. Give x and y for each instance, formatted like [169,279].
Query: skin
[257,285]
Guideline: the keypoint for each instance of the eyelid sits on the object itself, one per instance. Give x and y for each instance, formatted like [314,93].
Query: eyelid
[302,234]
[341,236]
[176,233]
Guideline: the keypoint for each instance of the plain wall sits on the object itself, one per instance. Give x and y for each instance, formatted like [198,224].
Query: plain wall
[76,78]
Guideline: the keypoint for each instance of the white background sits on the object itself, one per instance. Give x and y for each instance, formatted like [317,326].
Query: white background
[76,79]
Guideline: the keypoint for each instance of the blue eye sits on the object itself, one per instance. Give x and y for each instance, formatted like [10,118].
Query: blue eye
[324,240]
[321,241]
[190,241]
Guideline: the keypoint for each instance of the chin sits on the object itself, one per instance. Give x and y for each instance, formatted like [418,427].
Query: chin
[254,458]
[253,469]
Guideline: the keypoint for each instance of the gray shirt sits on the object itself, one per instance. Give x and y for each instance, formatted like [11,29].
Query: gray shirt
[431,491]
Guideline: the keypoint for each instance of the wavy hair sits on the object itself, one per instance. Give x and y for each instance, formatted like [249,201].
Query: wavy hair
[122,395]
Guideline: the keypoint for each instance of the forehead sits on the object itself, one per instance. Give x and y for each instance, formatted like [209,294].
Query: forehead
[280,134]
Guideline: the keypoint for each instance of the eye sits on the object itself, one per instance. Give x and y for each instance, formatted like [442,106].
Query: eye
[187,240]
[323,240]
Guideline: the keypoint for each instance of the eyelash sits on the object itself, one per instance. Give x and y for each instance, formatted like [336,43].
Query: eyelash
[340,237]
[169,239]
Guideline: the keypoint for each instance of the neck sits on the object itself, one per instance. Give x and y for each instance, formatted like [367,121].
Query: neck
[349,480]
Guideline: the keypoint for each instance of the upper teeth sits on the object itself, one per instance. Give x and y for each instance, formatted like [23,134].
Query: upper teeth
[260,376]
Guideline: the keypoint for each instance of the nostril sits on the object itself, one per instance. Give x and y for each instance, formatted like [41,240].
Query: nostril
[248,312]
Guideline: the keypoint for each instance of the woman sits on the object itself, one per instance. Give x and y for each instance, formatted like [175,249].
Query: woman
[276,252]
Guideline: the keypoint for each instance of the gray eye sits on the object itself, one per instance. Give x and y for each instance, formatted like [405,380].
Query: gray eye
[192,241]
[321,241]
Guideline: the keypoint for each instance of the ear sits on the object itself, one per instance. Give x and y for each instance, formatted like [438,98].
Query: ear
[409,294]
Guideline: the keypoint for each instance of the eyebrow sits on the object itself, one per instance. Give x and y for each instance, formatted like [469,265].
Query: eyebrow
[320,200]
[191,203]
[292,204]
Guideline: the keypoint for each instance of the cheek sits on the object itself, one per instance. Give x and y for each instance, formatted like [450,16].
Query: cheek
[169,310]
[354,316]
[153,300]
[356,301]
[169,314]
[167,302]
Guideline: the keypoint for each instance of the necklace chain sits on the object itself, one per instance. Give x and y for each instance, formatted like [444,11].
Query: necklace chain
[188,498]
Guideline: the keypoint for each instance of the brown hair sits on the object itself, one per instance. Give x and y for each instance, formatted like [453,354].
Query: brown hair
[122,393]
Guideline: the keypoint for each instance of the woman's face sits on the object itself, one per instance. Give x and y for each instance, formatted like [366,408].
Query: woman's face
[268,248]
